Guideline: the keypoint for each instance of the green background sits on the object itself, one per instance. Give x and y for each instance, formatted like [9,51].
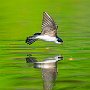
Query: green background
[21,18]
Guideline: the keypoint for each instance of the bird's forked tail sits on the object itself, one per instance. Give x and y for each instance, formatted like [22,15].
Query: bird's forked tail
[32,39]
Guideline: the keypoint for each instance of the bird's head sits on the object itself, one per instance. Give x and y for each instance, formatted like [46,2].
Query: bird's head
[59,41]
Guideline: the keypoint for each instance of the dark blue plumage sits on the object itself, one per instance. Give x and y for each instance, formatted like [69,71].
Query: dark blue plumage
[59,39]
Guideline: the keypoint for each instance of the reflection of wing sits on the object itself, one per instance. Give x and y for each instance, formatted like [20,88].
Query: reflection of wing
[49,72]
[49,77]
[48,25]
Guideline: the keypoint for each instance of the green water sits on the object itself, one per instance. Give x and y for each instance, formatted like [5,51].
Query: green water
[21,18]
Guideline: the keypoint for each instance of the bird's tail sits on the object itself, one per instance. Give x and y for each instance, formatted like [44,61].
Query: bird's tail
[31,39]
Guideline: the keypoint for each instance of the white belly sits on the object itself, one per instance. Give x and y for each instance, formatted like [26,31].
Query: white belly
[46,38]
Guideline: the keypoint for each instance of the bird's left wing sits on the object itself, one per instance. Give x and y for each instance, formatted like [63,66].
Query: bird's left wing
[48,25]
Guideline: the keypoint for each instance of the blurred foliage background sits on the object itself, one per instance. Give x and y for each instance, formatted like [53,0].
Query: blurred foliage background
[21,18]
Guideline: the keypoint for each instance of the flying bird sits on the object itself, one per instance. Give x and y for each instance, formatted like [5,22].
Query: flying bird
[48,33]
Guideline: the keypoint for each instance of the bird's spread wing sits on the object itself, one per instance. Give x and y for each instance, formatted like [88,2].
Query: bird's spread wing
[48,25]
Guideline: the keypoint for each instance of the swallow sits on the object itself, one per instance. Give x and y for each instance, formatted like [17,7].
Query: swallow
[48,33]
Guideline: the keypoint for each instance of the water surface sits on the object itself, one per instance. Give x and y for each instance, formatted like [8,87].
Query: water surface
[19,19]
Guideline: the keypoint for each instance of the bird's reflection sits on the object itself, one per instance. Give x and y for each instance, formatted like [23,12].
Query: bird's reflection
[49,69]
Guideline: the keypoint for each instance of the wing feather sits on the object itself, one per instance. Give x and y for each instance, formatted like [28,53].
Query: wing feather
[48,25]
